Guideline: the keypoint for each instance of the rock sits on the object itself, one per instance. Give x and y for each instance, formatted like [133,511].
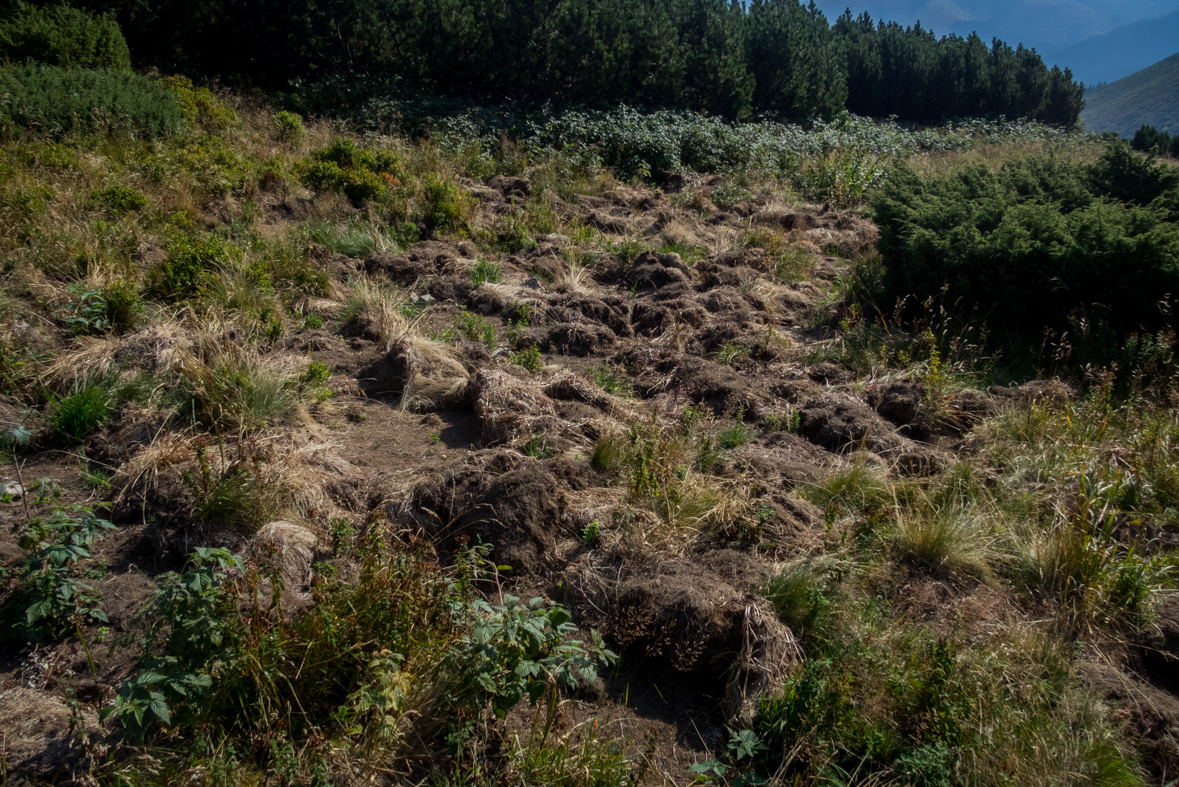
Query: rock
[14,490]
[533,283]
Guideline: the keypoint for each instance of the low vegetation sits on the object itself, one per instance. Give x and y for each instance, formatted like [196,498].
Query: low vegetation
[624,448]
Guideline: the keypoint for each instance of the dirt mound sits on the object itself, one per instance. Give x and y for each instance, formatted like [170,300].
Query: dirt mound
[1159,646]
[511,187]
[579,339]
[421,260]
[688,618]
[718,386]
[657,271]
[129,431]
[612,312]
[1034,392]
[838,422]
[511,409]
[509,501]
[904,404]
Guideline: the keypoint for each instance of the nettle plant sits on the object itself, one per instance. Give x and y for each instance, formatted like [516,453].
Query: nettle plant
[52,594]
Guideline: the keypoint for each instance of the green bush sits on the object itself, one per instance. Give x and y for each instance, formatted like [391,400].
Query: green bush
[62,36]
[123,305]
[199,107]
[1038,242]
[361,174]
[118,200]
[444,205]
[46,100]
[187,271]
[289,127]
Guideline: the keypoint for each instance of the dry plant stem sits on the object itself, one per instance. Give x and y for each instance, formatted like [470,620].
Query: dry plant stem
[24,498]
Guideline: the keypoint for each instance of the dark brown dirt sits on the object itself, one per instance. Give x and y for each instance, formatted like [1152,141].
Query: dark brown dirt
[502,499]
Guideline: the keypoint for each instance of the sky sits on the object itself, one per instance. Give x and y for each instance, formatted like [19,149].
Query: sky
[1046,25]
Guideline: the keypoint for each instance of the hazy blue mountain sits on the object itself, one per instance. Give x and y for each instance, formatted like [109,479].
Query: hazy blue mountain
[1149,97]
[1047,25]
[1123,52]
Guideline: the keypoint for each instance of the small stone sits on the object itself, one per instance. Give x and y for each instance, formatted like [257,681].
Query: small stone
[14,490]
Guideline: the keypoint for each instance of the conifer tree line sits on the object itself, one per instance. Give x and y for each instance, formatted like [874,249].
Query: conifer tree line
[722,57]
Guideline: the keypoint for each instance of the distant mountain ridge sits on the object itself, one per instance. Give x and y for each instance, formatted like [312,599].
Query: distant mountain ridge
[1046,25]
[1121,53]
[1149,97]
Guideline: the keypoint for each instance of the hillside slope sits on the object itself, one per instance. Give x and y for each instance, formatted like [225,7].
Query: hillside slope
[1150,96]
[1118,54]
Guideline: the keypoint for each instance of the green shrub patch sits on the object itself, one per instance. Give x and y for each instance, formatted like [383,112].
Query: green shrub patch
[1040,243]
[46,100]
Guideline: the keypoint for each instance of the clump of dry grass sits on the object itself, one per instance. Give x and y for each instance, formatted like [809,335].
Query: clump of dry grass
[433,375]
[512,410]
[374,308]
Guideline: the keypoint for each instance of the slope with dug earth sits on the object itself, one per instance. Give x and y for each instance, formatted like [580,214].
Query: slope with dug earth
[816,550]
[1148,97]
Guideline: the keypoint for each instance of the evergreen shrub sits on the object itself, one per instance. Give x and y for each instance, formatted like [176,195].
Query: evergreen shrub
[62,36]
[38,100]
[1041,243]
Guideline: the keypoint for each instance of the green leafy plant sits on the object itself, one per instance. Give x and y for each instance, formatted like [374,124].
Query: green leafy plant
[522,649]
[87,312]
[485,271]
[529,358]
[736,435]
[51,592]
[187,638]
[731,354]
[118,200]
[611,379]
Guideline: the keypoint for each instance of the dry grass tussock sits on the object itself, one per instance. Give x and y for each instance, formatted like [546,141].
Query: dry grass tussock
[433,375]
[512,410]
[375,308]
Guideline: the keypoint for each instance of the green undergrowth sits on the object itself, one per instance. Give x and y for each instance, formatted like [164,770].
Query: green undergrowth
[397,664]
